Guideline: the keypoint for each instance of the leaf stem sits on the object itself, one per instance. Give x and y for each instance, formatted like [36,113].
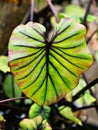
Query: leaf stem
[87,82]
[42,112]
[87,12]
[32,10]
[95,6]
[12,99]
[86,107]
[53,9]
[88,40]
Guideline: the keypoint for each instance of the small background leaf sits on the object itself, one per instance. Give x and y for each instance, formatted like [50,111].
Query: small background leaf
[64,15]
[7,86]
[36,110]
[85,99]
[35,124]
[2,118]
[4,64]
[78,13]
[28,101]
[67,113]
[2,121]
[39,5]
[31,124]
[46,125]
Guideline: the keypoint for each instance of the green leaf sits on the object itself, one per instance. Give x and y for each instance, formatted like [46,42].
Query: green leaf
[26,124]
[2,121]
[28,101]
[39,5]
[64,15]
[4,64]
[46,126]
[47,69]
[53,21]
[7,86]
[68,114]
[34,124]
[78,13]
[87,98]
[36,110]
[31,124]
[2,118]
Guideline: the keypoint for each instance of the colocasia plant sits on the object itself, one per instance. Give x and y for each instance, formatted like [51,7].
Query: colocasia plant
[46,69]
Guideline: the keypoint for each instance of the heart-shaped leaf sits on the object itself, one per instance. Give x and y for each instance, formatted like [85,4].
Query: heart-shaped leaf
[36,110]
[36,123]
[31,124]
[47,69]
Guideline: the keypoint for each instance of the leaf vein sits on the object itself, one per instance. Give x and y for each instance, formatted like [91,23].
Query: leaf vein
[32,37]
[33,68]
[30,61]
[59,41]
[66,58]
[63,65]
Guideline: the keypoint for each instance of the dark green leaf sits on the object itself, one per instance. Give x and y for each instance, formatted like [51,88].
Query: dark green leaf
[7,86]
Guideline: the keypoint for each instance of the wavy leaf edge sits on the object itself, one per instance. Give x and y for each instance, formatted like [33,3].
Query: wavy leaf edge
[56,56]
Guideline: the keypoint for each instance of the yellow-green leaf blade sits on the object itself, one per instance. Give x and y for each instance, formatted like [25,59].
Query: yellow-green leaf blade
[46,70]
[67,113]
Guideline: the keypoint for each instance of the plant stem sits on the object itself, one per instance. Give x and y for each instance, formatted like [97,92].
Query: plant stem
[95,6]
[87,82]
[88,40]
[87,12]
[85,89]
[32,10]
[86,107]
[53,9]
[12,99]
[42,112]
